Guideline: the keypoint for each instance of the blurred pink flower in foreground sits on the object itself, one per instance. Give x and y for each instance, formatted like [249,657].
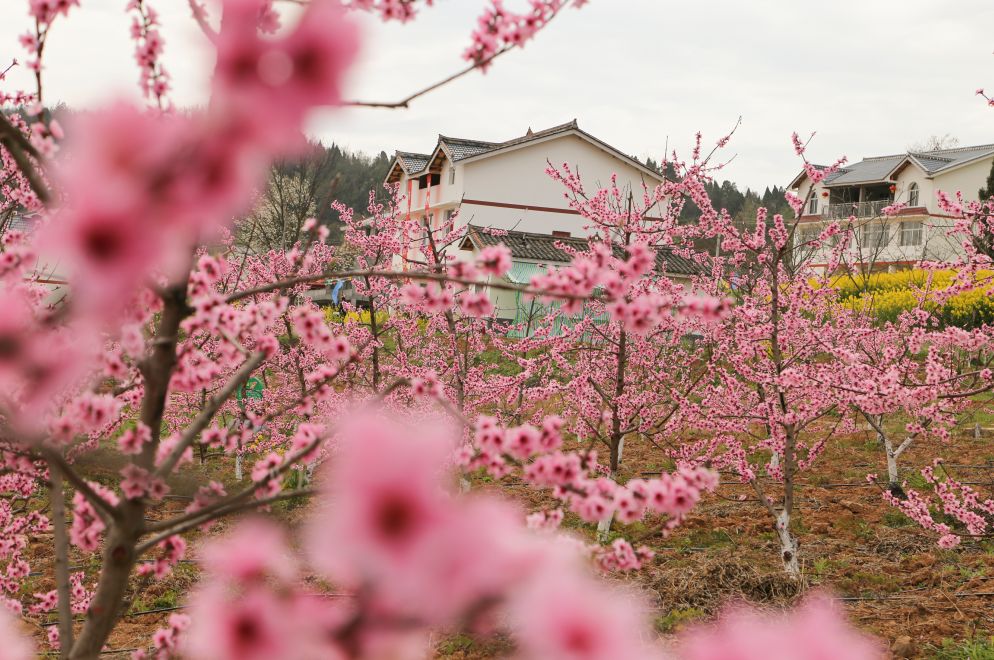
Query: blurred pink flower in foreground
[817,630]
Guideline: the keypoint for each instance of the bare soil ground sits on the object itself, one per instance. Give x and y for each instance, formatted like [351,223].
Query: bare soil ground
[893,578]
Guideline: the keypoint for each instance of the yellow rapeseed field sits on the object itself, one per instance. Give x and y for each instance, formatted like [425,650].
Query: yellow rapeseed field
[887,295]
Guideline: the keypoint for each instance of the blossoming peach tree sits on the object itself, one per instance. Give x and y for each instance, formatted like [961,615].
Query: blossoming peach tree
[953,369]
[147,350]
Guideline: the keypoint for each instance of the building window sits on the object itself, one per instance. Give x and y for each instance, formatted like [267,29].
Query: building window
[426,180]
[913,194]
[452,175]
[813,205]
[875,235]
[911,233]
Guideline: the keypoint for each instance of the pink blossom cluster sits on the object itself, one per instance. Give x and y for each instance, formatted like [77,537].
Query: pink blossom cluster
[389,10]
[959,501]
[406,572]
[167,333]
[44,12]
[499,28]
[16,645]
[186,175]
[310,326]
[173,550]
[621,556]
[149,43]
[87,522]
[574,477]
[814,631]
[165,641]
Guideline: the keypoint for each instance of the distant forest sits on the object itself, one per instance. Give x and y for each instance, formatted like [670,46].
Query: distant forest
[348,176]
[741,205]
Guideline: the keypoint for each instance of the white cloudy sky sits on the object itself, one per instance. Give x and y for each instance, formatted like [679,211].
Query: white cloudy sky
[869,76]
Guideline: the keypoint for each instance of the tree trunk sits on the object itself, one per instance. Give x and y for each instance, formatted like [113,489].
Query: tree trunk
[58,503]
[128,525]
[892,478]
[788,545]
[118,562]
[375,331]
[604,524]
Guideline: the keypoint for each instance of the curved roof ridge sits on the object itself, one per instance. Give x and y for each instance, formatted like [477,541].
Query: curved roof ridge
[930,155]
[900,155]
[534,135]
[953,150]
[449,138]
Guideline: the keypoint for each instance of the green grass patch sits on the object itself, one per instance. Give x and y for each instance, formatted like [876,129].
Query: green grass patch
[894,518]
[707,538]
[461,645]
[678,618]
[980,648]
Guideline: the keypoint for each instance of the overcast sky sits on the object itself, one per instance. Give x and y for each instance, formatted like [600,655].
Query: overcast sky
[870,77]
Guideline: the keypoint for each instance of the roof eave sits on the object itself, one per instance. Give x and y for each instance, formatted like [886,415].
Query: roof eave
[795,183]
[396,164]
[856,183]
[901,163]
[571,131]
[971,161]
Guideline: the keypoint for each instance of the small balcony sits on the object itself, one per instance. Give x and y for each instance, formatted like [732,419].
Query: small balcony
[858,209]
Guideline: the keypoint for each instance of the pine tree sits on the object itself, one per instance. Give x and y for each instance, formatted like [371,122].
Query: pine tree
[983,241]
[987,191]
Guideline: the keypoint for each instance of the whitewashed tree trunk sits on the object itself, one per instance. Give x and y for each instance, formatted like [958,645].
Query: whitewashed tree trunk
[892,477]
[788,545]
[604,525]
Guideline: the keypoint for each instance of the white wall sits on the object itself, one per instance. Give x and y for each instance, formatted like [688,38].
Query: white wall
[802,192]
[967,179]
[518,177]
[926,191]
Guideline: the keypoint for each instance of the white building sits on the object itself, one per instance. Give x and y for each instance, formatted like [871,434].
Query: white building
[861,190]
[503,185]
[532,254]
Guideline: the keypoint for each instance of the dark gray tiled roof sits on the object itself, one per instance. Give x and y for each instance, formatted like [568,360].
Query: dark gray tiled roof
[412,162]
[23,223]
[952,157]
[528,245]
[865,171]
[875,170]
[537,135]
[542,247]
[459,148]
[932,163]
[462,148]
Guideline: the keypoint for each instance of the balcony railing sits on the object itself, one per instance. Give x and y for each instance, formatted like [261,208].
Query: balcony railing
[858,209]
